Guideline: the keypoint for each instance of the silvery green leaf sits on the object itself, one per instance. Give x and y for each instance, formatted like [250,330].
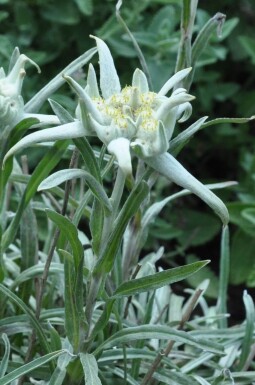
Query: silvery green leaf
[120,148]
[30,366]
[135,333]
[64,175]
[61,113]
[43,119]
[175,79]
[93,90]
[180,140]
[140,81]
[91,107]
[201,380]
[109,80]
[65,131]
[174,378]
[59,373]
[168,166]
[5,358]
[90,369]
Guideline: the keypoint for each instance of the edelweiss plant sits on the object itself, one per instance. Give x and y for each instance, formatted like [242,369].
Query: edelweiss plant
[131,120]
[87,303]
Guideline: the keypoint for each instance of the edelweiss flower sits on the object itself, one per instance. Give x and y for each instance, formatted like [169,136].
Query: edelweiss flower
[11,101]
[132,120]
[132,117]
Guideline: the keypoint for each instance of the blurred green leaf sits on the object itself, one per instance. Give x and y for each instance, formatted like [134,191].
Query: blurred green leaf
[85,6]
[248,44]
[236,210]
[242,257]
[66,14]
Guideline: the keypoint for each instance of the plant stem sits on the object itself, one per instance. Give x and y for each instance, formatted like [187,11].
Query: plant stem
[164,353]
[224,276]
[189,8]
[107,227]
[115,199]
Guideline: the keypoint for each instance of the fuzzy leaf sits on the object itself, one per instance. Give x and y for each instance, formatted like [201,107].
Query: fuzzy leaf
[159,332]
[109,80]
[168,166]
[65,175]
[5,359]
[27,368]
[66,131]
[129,209]
[155,281]
[70,232]
[49,161]
[90,369]
[36,324]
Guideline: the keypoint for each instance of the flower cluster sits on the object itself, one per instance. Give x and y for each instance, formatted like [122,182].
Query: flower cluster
[133,117]
[11,101]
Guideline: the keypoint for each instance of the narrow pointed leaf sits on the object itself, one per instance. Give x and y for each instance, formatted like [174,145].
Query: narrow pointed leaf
[96,225]
[180,141]
[129,209]
[168,166]
[249,330]
[14,298]
[63,115]
[155,281]
[103,319]
[109,80]
[72,324]
[175,79]
[5,358]
[27,368]
[65,175]
[49,161]
[29,247]
[228,120]
[59,373]
[174,378]
[88,157]
[35,271]
[70,232]
[66,131]
[159,332]
[140,81]
[204,35]
[224,276]
[90,369]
